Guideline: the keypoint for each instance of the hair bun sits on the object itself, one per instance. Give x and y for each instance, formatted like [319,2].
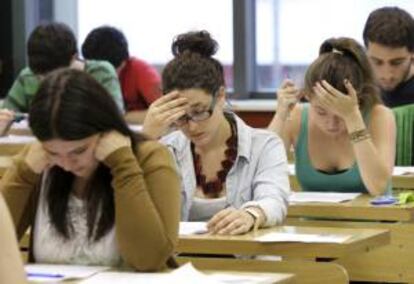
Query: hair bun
[329,45]
[197,42]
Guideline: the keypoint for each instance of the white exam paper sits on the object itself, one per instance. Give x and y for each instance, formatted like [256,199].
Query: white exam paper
[328,197]
[303,238]
[191,228]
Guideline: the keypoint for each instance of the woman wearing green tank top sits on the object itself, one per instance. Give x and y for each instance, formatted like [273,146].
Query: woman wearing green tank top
[344,138]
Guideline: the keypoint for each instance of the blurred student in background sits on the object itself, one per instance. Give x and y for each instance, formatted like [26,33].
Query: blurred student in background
[140,82]
[52,46]
[344,139]
[389,38]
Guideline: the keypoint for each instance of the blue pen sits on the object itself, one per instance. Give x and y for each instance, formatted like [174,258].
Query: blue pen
[383,200]
[44,275]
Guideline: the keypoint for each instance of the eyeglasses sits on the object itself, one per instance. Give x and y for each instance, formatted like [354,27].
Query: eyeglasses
[197,116]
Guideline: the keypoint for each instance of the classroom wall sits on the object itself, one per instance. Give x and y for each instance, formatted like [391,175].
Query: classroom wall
[6,50]
[17,20]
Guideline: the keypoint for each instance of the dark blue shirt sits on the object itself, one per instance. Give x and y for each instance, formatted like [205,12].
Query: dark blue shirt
[403,94]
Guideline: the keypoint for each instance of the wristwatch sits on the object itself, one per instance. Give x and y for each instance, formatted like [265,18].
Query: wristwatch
[255,215]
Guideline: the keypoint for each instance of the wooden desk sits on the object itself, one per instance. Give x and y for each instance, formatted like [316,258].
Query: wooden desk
[5,163]
[363,240]
[391,263]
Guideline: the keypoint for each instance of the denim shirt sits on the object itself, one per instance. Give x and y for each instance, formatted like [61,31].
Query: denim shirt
[259,176]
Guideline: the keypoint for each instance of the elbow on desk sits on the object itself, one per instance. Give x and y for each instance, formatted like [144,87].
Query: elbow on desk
[151,258]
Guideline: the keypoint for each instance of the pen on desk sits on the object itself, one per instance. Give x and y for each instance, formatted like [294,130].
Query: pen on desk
[44,275]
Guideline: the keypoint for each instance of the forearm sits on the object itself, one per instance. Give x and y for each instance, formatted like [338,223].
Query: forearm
[373,169]
[146,220]
[279,120]
[135,116]
[17,187]
[270,186]
[280,126]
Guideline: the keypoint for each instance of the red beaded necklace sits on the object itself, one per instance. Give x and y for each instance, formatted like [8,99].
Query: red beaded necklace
[214,187]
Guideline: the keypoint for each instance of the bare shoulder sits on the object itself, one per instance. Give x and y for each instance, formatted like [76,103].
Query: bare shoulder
[380,113]
[381,118]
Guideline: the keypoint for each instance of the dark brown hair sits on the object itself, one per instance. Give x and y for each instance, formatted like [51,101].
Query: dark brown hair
[340,59]
[72,105]
[390,26]
[193,65]
[50,46]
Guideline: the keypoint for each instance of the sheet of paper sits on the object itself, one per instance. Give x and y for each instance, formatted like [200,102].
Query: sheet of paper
[186,274]
[17,139]
[292,170]
[303,238]
[126,278]
[329,197]
[402,171]
[23,124]
[191,228]
[54,273]
[240,279]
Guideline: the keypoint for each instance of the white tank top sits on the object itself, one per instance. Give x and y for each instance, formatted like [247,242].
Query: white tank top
[50,247]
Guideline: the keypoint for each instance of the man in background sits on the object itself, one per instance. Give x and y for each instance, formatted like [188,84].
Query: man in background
[389,38]
[140,83]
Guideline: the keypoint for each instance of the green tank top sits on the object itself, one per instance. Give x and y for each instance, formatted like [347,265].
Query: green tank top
[311,179]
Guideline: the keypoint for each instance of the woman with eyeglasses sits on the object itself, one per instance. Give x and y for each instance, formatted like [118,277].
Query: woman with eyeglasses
[233,176]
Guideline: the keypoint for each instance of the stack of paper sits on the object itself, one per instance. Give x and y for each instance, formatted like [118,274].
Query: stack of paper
[303,238]
[17,139]
[186,274]
[329,197]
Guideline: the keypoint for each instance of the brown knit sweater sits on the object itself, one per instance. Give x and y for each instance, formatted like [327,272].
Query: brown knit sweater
[147,201]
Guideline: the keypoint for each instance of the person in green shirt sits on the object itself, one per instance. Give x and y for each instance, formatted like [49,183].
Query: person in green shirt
[52,46]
